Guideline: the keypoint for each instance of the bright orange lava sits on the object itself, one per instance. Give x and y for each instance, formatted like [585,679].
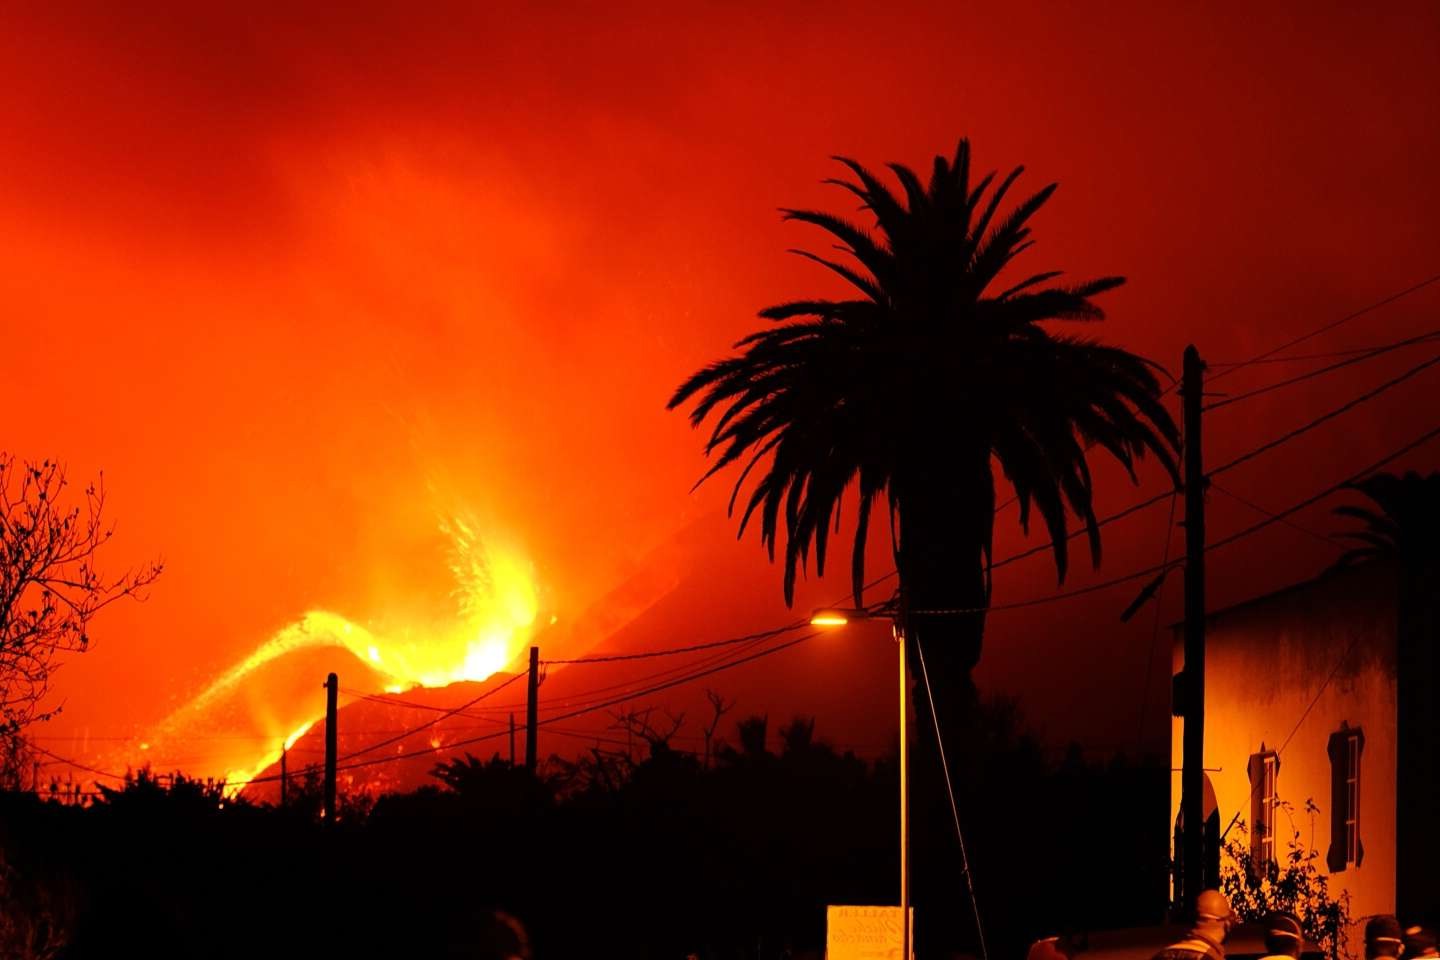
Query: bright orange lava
[496,601]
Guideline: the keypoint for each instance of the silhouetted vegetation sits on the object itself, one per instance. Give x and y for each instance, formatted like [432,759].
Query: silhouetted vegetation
[646,851]
[1294,883]
[50,590]
[1402,522]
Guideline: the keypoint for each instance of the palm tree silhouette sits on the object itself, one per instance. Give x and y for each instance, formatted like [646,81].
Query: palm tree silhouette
[917,387]
[1403,524]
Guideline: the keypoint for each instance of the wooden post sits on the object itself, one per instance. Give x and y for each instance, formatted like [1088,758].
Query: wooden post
[532,709]
[284,774]
[1192,776]
[332,687]
[512,738]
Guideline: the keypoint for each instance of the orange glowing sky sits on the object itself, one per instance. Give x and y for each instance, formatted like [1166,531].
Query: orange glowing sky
[298,281]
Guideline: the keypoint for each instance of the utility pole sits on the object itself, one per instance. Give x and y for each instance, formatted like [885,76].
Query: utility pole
[512,738]
[531,709]
[284,774]
[1192,776]
[332,687]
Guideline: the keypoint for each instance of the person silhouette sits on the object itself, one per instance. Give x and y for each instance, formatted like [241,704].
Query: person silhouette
[1419,942]
[1383,938]
[1206,939]
[500,936]
[1284,939]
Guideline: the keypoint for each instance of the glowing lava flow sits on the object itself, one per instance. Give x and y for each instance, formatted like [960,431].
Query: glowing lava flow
[241,777]
[497,603]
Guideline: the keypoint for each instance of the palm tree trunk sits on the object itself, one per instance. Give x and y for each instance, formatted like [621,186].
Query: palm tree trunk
[944,527]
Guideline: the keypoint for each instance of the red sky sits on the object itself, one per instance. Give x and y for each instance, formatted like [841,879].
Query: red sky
[296,280]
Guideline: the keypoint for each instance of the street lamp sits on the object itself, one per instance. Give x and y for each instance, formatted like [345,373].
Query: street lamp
[839,617]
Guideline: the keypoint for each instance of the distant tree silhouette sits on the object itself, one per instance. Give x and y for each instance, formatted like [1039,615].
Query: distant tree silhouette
[50,590]
[1403,524]
[174,792]
[305,798]
[798,737]
[718,708]
[752,732]
[638,723]
[496,783]
[917,389]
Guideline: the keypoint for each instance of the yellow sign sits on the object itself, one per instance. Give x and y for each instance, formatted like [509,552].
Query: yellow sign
[865,933]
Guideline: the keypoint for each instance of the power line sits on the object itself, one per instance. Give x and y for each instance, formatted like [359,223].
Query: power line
[1326,328]
[548,721]
[580,712]
[672,651]
[589,694]
[1072,534]
[1328,355]
[641,685]
[950,795]
[1272,518]
[1323,538]
[1245,457]
[599,693]
[1255,789]
[1279,516]
[448,713]
[1321,371]
[1231,464]
[390,701]
[682,680]
[1325,417]
[78,765]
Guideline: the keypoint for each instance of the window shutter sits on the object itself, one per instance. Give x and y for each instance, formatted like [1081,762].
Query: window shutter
[1337,749]
[1359,782]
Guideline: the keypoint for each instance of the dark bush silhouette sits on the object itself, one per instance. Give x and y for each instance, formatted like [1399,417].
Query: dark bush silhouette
[649,855]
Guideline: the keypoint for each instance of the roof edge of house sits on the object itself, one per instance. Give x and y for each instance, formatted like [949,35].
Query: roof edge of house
[1330,573]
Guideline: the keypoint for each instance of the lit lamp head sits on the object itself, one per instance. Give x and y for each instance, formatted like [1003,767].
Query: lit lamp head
[840,616]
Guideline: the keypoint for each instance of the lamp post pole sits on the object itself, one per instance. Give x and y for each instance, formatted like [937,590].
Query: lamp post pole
[904,792]
[838,618]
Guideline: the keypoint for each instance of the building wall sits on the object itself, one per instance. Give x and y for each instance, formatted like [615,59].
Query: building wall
[1326,647]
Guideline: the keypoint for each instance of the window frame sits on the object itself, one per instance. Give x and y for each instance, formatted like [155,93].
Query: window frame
[1352,798]
[1265,795]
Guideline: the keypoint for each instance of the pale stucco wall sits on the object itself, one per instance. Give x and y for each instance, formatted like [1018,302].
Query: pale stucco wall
[1266,662]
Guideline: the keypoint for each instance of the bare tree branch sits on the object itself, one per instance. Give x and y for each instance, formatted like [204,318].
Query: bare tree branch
[50,588]
[718,709]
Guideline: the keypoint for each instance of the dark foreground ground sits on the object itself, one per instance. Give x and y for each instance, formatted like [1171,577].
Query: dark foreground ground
[660,857]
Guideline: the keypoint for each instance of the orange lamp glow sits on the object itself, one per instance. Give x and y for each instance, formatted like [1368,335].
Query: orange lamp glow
[828,618]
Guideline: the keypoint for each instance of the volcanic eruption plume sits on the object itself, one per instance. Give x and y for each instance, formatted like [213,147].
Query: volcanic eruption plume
[496,603]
